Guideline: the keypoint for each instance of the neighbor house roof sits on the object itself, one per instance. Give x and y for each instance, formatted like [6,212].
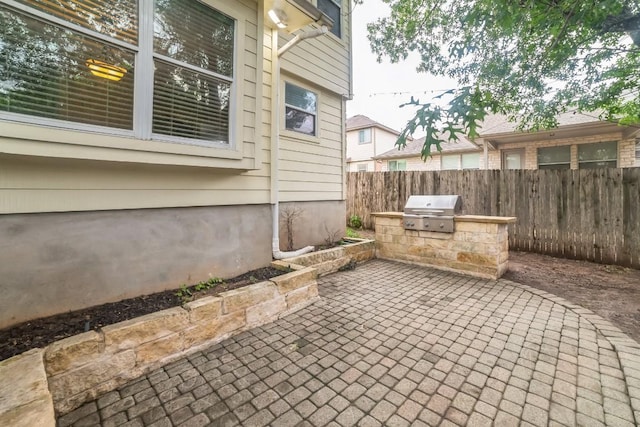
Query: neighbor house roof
[414,149]
[497,123]
[359,121]
[497,129]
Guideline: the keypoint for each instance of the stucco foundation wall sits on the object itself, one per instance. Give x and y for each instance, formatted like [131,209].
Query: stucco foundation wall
[56,262]
[313,224]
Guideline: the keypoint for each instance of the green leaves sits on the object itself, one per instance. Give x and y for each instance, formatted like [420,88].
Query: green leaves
[530,59]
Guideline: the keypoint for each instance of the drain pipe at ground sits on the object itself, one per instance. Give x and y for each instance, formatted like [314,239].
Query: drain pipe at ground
[275,136]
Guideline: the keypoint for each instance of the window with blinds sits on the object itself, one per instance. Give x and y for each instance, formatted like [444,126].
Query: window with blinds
[598,155]
[554,157]
[76,62]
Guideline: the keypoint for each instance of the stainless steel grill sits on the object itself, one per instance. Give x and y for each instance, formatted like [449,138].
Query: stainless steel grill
[431,213]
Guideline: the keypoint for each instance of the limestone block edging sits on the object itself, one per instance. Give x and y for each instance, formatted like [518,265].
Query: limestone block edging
[331,260]
[72,371]
[24,396]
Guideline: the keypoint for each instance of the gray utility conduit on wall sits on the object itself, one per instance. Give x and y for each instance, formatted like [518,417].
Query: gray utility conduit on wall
[275,134]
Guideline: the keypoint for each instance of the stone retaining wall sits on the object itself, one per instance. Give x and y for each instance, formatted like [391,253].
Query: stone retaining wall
[79,368]
[332,260]
[479,246]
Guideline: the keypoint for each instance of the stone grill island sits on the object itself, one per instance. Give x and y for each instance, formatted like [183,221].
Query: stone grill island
[478,246]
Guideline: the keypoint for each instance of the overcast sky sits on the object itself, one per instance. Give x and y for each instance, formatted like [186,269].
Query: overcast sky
[379,88]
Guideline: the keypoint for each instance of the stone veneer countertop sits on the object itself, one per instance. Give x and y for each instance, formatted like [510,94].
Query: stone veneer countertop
[459,218]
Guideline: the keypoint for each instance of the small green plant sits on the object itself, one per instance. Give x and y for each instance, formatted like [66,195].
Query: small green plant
[184,294]
[355,221]
[352,233]
[253,279]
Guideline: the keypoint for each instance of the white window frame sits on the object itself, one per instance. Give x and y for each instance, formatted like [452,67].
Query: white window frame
[449,156]
[397,163]
[519,151]
[362,167]
[364,136]
[283,105]
[140,142]
[458,158]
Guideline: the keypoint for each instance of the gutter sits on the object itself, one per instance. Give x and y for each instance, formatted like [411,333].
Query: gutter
[275,136]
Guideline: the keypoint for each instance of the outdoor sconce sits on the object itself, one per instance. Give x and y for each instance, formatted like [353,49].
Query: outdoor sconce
[291,15]
[106,71]
[278,17]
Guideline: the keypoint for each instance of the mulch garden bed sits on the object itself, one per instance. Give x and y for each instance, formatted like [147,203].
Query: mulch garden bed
[39,333]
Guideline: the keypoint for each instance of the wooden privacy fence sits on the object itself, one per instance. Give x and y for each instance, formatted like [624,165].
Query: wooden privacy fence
[582,214]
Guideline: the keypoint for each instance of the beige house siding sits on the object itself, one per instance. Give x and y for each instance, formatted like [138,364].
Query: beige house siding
[46,169]
[323,60]
[94,217]
[311,168]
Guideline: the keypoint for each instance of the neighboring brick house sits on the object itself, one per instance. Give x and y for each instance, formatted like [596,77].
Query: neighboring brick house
[579,142]
[462,154]
[367,138]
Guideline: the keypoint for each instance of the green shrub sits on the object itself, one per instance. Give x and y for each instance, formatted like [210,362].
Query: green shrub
[355,221]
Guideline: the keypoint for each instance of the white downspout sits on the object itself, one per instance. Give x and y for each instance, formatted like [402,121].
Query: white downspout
[297,39]
[275,136]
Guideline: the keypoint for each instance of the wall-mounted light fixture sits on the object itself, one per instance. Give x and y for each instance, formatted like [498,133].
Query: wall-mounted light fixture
[278,17]
[105,70]
[291,15]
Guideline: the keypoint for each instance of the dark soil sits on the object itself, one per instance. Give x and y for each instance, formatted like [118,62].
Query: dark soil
[41,332]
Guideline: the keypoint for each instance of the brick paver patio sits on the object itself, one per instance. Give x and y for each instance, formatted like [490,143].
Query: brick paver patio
[397,345]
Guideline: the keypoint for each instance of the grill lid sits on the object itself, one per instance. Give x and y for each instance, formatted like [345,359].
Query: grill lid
[433,205]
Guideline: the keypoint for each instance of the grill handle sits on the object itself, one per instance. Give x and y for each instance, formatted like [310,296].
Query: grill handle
[427,211]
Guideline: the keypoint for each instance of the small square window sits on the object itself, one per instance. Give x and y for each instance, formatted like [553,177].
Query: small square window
[397,165]
[301,109]
[470,161]
[450,162]
[364,136]
[513,159]
[362,168]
